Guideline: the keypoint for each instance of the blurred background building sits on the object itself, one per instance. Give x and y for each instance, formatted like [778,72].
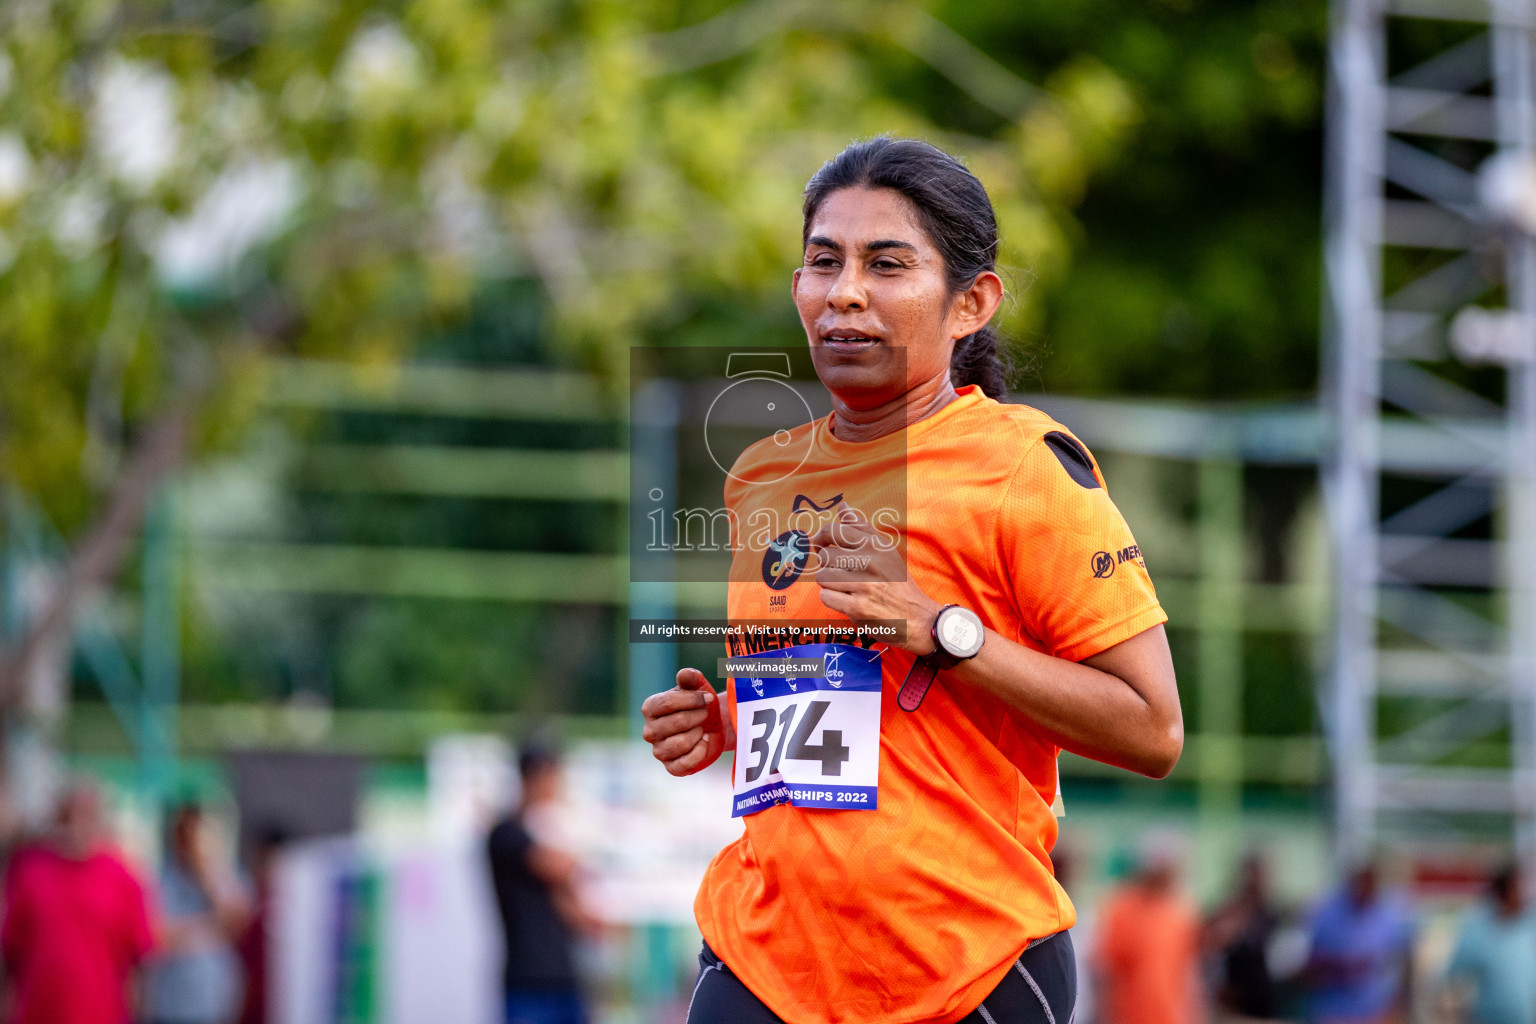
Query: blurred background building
[315,324]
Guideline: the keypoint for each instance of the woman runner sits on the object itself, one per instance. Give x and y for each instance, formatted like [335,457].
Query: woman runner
[895,865]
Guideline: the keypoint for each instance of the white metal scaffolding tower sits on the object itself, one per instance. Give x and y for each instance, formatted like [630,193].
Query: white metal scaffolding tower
[1430,699]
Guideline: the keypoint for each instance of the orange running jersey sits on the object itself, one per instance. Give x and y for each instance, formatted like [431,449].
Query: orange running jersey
[914,911]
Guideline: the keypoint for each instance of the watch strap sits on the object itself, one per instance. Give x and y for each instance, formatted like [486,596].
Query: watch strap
[921,675]
[915,687]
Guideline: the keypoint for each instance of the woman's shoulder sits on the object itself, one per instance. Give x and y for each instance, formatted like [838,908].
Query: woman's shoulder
[1020,428]
[1023,417]
[1038,448]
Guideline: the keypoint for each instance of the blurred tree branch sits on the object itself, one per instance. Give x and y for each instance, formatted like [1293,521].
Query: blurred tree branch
[946,51]
[103,548]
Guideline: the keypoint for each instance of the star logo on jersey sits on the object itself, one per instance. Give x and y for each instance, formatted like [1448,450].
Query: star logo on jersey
[784,560]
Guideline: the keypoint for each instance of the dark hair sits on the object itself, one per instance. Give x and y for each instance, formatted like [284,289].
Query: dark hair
[181,811]
[538,752]
[272,837]
[1503,882]
[954,209]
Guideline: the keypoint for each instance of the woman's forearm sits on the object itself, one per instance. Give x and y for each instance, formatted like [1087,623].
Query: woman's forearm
[1120,707]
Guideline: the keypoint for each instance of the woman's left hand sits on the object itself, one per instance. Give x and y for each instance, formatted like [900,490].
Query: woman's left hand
[863,577]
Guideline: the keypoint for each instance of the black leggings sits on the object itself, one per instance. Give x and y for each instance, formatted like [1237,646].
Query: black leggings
[1040,989]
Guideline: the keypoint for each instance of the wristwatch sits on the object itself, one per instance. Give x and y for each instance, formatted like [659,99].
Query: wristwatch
[957,636]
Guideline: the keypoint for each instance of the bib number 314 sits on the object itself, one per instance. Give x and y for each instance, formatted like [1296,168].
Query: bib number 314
[810,742]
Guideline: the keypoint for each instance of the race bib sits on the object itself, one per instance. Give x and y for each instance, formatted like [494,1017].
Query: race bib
[809,741]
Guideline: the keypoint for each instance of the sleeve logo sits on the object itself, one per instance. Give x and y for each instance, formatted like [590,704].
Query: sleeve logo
[1103,562]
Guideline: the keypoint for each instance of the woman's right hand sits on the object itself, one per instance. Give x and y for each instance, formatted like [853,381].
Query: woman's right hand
[685,726]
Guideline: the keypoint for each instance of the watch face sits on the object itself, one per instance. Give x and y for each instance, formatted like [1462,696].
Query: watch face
[960,632]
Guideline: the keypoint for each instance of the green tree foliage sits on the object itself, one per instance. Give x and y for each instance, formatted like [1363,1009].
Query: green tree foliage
[1196,263]
[185,188]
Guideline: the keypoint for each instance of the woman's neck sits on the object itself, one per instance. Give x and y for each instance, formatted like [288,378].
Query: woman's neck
[922,401]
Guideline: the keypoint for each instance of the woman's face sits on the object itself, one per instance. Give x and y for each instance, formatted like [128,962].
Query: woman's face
[873,299]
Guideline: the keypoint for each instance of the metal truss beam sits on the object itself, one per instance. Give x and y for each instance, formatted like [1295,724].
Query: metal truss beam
[1431,481]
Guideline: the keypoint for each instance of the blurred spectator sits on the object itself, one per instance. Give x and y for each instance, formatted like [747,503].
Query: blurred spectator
[1239,934]
[535,892]
[1147,956]
[75,923]
[252,948]
[195,978]
[1362,940]
[1496,954]
[1065,861]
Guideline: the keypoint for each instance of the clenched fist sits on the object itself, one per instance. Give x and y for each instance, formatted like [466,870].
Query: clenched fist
[685,725]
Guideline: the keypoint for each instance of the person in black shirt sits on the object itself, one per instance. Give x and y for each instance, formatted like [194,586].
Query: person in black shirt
[540,913]
[1239,934]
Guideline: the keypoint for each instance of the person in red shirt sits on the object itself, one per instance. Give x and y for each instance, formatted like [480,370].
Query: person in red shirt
[1148,951]
[75,925]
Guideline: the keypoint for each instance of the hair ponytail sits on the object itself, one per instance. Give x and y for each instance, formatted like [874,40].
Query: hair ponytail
[976,360]
[954,209]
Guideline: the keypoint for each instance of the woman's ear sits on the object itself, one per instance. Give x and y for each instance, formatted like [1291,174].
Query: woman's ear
[974,307]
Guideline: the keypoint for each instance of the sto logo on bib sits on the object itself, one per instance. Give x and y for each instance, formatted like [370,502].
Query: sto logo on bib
[810,742]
